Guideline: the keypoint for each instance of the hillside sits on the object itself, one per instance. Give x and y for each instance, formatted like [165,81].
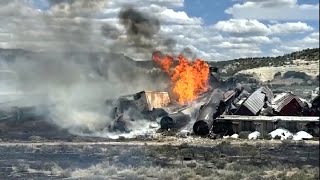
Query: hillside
[310,68]
[229,68]
[264,68]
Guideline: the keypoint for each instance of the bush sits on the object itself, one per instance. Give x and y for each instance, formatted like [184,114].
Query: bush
[277,75]
[265,136]
[220,163]
[203,172]
[233,176]
[244,134]
[296,74]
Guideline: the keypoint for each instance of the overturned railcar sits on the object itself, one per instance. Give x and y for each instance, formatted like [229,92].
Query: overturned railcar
[287,104]
[144,105]
[175,121]
[255,102]
[208,112]
[261,111]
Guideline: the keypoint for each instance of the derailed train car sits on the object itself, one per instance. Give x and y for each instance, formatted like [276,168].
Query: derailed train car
[236,110]
[148,105]
[261,111]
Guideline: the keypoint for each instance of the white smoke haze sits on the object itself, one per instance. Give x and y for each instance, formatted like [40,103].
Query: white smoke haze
[73,70]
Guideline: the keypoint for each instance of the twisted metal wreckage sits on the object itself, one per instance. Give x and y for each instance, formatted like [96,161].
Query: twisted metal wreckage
[221,112]
[225,112]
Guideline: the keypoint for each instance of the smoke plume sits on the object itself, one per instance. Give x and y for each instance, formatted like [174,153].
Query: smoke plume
[141,33]
[139,27]
[72,69]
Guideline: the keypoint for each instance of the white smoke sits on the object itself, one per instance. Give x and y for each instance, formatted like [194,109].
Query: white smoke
[76,76]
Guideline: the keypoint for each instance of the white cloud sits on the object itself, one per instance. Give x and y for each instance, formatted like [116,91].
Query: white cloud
[16,8]
[276,52]
[274,9]
[247,52]
[242,27]
[272,3]
[177,17]
[230,45]
[309,41]
[289,28]
[145,3]
[255,40]
[252,27]
[233,38]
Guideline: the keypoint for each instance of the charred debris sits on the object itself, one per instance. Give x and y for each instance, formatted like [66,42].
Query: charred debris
[222,111]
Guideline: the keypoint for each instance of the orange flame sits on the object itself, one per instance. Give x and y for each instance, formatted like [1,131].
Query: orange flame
[189,79]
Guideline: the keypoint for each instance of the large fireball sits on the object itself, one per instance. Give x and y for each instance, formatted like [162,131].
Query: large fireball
[189,78]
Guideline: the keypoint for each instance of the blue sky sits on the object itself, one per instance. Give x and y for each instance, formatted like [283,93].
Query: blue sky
[212,29]
[211,11]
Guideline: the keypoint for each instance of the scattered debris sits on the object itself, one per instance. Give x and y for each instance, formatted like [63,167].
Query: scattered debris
[120,124]
[143,105]
[219,113]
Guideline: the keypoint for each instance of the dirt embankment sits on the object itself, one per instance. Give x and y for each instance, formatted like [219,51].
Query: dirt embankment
[264,74]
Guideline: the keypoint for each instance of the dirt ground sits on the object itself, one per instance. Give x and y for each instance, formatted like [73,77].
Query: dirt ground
[210,159]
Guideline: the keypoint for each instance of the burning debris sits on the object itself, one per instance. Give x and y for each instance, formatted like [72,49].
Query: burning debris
[193,85]
[189,78]
[143,105]
[221,113]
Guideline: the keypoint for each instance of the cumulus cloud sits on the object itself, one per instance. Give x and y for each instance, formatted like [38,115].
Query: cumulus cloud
[309,41]
[242,27]
[178,17]
[147,3]
[289,27]
[255,40]
[94,25]
[274,9]
[76,8]
[252,34]
[246,27]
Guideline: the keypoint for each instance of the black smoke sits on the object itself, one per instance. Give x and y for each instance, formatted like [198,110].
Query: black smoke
[140,28]
[142,33]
